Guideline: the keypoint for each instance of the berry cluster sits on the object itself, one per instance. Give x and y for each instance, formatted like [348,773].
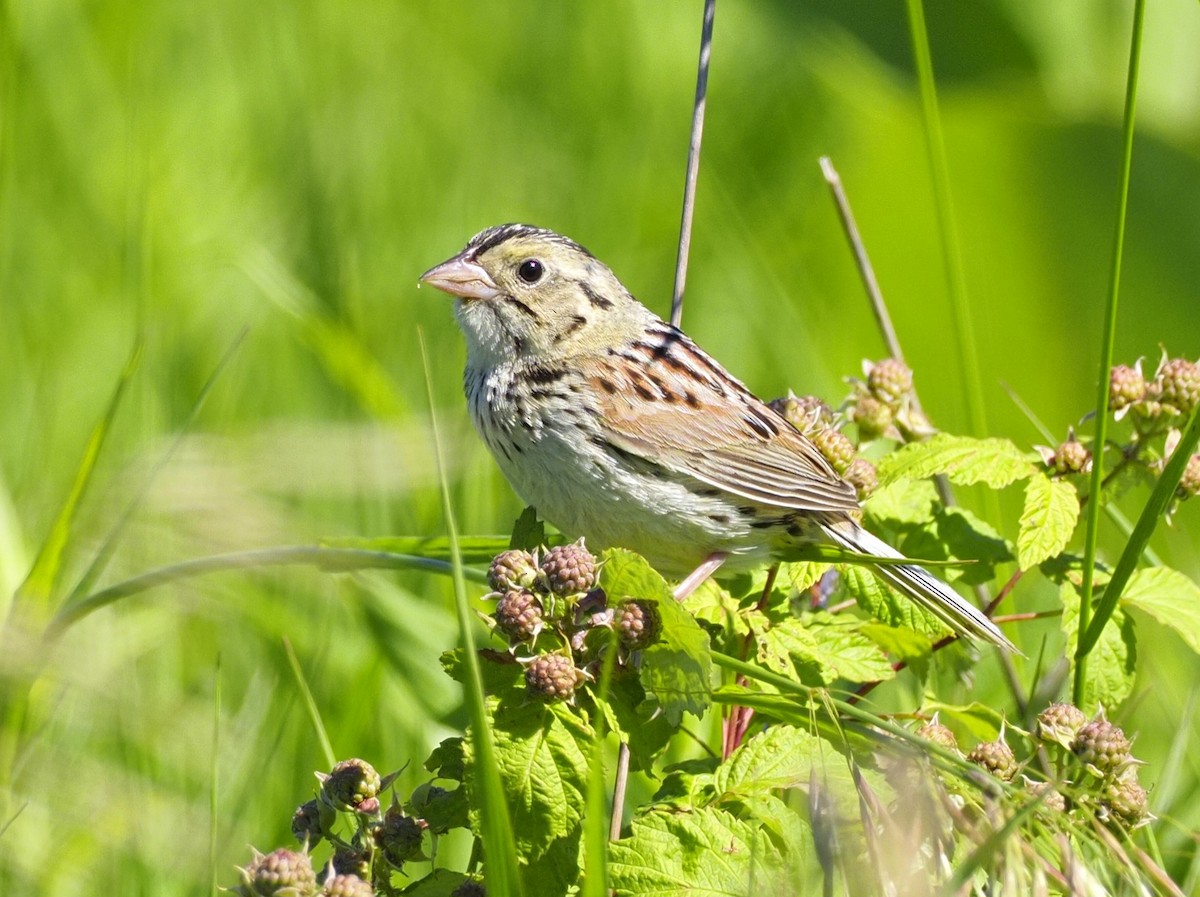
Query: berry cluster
[553,608]
[368,845]
[1092,761]
[816,420]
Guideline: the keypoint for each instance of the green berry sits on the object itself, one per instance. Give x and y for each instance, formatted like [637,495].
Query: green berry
[281,873]
[1072,457]
[890,380]
[351,786]
[569,569]
[306,824]
[553,677]
[837,449]
[637,623]
[519,615]
[1180,380]
[862,476]
[996,757]
[1126,386]
[1127,800]
[1060,723]
[513,569]
[1053,800]
[806,413]
[347,886]
[872,416]
[399,836]
[1189,483]
[939,735]
[1102,747]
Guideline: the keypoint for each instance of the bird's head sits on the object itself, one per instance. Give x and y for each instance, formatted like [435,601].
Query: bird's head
[524,291]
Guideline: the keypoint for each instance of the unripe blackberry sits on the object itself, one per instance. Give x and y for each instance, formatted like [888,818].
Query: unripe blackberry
[637,624]
[1180,381]
[569,569]
[837,449]
[280,873]
[347,886]
[512,569]
[1072,457]
[939,735]
[399,836]
[1102,747]
[306,823]
[890,380]
[1126,386]
[1126,799]
[996,757]
[350,785]
[347,860]
[469,888]
[1053,800]
[806,413]
[1189,483]
[861,474]
[519,615]
[872,416]
[553,677]
[1060,723]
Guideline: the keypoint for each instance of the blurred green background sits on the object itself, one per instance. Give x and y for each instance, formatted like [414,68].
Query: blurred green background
[184,172]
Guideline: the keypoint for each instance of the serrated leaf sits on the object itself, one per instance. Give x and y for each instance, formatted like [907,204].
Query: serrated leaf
[822,653]
[699,852]
[1110,665]
[1047,521]
[676,670]
[903,502]
[625,712]
[903,642]
[438,883]
[780,757]
[888,605]
[962,459]
[802,575]
[713,604]
[958,535]
[1169,597]
[543,767]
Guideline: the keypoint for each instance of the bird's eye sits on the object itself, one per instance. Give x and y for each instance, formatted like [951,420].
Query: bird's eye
[530,271]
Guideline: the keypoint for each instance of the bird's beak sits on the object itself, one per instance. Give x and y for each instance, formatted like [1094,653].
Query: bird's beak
[462,277]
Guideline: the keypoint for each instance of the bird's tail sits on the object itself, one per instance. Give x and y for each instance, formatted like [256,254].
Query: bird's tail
[917,584]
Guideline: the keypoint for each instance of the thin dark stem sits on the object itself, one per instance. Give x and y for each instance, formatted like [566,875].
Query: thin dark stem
[693,162]
[619,786]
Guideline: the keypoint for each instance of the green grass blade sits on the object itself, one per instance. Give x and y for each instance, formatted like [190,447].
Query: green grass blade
[964,329]
[310,704]
[500,852]
[213,784]
[40,584]
[595,827]
[1089,631]
[104,555]
[1152,513]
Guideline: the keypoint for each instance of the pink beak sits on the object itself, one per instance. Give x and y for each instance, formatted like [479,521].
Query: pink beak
[462,277]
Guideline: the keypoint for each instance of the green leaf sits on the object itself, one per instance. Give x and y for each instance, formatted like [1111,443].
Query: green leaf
[1048,520]
[903,642]
[438,883]
[699,852]
[980,720]
[959,536]
[903,502]
[888,605]
[1170,598]
[528,532]
[630,715]
[713,604]
[1110,665]
[676,670]
[964,461]
[802,575]
[780,757]
[823,651]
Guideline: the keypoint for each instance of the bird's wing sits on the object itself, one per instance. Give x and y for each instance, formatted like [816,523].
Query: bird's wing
[674,406]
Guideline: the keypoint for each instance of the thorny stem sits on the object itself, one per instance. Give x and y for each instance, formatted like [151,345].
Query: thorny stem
[693,162]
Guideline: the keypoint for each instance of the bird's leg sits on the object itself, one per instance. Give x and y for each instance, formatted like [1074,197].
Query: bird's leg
[700,575]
